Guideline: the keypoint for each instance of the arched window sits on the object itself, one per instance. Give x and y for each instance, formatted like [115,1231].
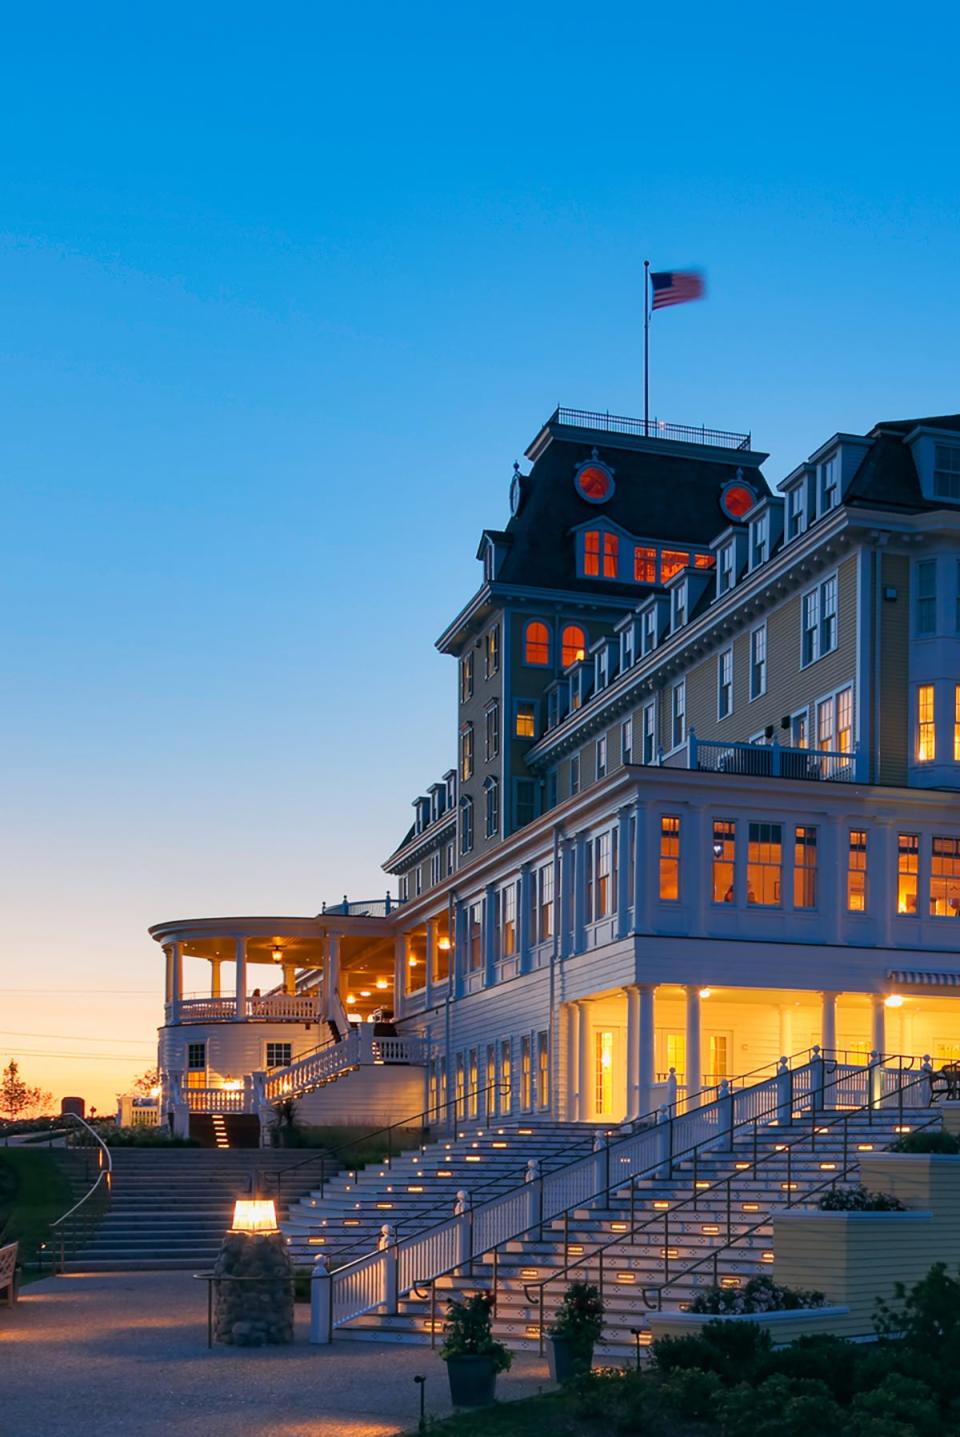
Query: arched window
[573,645]
[536,646]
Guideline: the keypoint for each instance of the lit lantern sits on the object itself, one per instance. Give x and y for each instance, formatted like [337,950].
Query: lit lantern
[254,1215]
[894,1000]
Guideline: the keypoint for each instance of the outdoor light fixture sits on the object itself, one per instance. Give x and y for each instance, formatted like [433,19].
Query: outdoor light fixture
[443,944]
[276,953]
[364,992]
[155,1092]
[255,1215]
[893,1001]
[232,1083]
[706,992]
[412,961]
[382,983]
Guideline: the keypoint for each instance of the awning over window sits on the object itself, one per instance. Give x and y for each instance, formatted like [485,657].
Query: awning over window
[924,978]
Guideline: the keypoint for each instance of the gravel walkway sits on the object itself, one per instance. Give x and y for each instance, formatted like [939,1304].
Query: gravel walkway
[125,1355]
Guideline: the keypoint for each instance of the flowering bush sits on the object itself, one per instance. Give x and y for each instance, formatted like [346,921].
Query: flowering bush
[760,1294]
[943,1144]
[468,1332]
[580,1316]
[859,1199]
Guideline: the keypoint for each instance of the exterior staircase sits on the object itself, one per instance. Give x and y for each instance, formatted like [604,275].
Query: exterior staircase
[170,1208]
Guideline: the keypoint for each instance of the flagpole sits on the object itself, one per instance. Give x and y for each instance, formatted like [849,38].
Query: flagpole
[646,348]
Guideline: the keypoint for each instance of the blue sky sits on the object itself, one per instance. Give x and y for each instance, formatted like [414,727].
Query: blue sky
[284,294]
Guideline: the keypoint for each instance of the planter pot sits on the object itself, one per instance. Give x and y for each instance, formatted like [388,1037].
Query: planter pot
[783,1327]
[473,1381]
[567,1359]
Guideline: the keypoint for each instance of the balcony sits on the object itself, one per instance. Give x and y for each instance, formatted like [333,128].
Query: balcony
[773,760]
[650,429]
[271,1008]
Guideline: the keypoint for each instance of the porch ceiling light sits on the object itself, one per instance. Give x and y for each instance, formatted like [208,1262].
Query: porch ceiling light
[383,983]
[364,992]
[706,992]
[412,961]
[893,1000]
[443,944]
[254,1215]
[276,953]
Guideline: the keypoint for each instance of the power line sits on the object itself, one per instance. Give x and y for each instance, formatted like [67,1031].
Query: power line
[67,1037]
[115,992]
[90,1057]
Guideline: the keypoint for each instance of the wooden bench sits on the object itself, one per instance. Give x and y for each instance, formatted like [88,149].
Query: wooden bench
[8,1273]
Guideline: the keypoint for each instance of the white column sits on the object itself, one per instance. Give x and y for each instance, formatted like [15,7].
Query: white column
[693,1061]
[241,974]
[573,1062]
[646,1066]
[786,1030]
[215,977]
[624,896]
[168,974]
[633,1050]
[828,1022]
[585,1105]
[430,960]
[289,978]
[176,986]
[878,1033]
[640,858]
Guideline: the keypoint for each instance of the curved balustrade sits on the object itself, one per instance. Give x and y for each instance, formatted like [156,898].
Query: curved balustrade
[74,1228]
[270,1008]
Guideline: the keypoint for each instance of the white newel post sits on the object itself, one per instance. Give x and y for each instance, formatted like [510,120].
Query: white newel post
[670,1089]
[828,1023]
[646,1054]
[817,1078]
[462,1214]
[585,1107]
[694,1068]
[633,1051]
[534,1188]
[724,1116]
[240,1012]
[784,1094]
[663,1142]
[875,1078]
[176,986]
[321,1302]
[387,1244]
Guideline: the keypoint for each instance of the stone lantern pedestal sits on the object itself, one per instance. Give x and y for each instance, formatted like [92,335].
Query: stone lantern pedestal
[253,1298]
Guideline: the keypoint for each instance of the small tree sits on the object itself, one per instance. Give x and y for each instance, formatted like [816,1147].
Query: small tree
[146,1082]
[17,1098]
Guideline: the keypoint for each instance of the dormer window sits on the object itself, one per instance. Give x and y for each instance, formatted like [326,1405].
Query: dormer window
[946,471]
[648,632]
[644,564]
[829,484]
[602,668]
[759,541]
[796,512]
[726,572]
[679,606]
[626,648]
[671,562]
[600,554]
[573,645]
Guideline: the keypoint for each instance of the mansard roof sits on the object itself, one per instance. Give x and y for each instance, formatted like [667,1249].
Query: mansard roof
[887,475]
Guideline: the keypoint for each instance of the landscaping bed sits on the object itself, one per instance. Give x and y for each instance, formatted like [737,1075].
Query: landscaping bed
[34,1192]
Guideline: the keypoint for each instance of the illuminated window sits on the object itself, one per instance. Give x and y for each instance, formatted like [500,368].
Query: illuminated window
[474,1083]
[466,752]
[475,937]
[601,903]
[908,866]
[804,867]
[526,726]
[491,651]
[670,859]
[536,647]
[506,1077]
[926,727]
[676,1055]
[196,1065]
[611,546]
[508,921]
[591,553]
[799,729]
[543,1071]
[671,562]
[857,871]
[526,1076]
[644,564]
[718,1058]
[466,677]
[461,1082]
[945,878]
[603,1074]
[704,561]
[490,1082]
[725,683]
[764,861]
[491,730]
[573,645]
[956,723]
[724,860]
[845,721]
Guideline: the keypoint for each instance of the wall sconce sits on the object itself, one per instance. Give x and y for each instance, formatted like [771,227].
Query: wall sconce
[255,1215]
[893,1001]
[706,992]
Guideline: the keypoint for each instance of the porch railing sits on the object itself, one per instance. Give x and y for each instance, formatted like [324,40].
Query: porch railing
[360,1048]
[272,1007]
[768,760]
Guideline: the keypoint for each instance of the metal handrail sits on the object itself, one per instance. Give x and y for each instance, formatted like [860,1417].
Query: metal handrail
[819,1123]
[101,1186]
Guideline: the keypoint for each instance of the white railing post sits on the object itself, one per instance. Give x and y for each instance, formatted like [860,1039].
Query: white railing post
[534,1189]
[784,1094]
[387,1244]
[816,1078]
[692,749]
[671,1090]
[724,1115]
[464,1243]
[321,1302]
[875,1080]
[663,1143]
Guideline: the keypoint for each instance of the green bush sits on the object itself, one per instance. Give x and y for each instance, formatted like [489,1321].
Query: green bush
[827,1359]
[467,1332]
[928,1140]
[735,1351]
[859,1199]
[690,1394]
[579,1317]
[927,1315]
[899,1407]
[780,1407]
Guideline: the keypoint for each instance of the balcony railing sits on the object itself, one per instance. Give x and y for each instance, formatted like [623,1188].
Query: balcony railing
[271,1008]
[361,908]
[651,429]
[773,760]
[360,1048]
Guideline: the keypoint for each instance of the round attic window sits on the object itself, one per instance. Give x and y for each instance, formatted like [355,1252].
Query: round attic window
[594,480]
[737,499]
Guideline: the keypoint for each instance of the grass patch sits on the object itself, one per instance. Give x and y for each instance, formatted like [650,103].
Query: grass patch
[351,1147]
[34,1192]
[530,1417]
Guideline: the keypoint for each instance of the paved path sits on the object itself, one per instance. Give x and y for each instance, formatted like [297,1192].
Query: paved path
[125,1355]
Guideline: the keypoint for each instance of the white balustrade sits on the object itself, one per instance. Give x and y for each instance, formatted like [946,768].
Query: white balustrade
[215,1100]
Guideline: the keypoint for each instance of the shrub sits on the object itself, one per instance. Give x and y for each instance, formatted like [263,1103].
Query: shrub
[690,1394]
[927,1316]
[142,1136]
[780,1407]
[735,1351]
[467,1332]
[827,1359]
[859,1199]
[760,1294]
[579,1317]
[927,1141]
[900,1405]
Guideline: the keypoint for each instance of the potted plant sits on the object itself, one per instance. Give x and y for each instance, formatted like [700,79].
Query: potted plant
[472,1354]
[574,1331]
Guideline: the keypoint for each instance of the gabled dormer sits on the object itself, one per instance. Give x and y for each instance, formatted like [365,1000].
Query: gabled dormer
[605,654]
[581,684]
[654,620]
[834,465]
[558,701]
[730,549]
[936,454]
[799,498]
[628,637]
[492,550]
[765,525]
[603,550]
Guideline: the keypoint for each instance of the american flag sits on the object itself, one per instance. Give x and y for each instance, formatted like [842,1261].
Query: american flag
[676,286]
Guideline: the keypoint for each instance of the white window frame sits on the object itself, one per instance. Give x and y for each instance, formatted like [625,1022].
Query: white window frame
[925,567]
[626,741]
[954,473]
[796,511]
[678,713]
[828,483]
[602,756]
[726,569]
[626,648]
[758,634]
[575,774]
[804,715]
[759,541]
[725,683]
[648,742]
[648,631]
[814,604]
[679,606]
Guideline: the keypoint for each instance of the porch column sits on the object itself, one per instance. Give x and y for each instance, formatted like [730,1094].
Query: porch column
[215,977]
[168,974]
[640,853]
[585,1107]
[646,1067]
[289,978]
[786,1030]
[331,976]
[828,1022]
[580,895]
[566,904]
[624,896]
[430,961]
[176,982]
[241,990]
[633,1050]
[693,1062]
[573,1061]
[525,905]
[878,1026]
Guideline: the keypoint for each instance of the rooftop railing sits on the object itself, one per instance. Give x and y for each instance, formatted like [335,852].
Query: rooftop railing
[767,760]
[650,429]
[361,908]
